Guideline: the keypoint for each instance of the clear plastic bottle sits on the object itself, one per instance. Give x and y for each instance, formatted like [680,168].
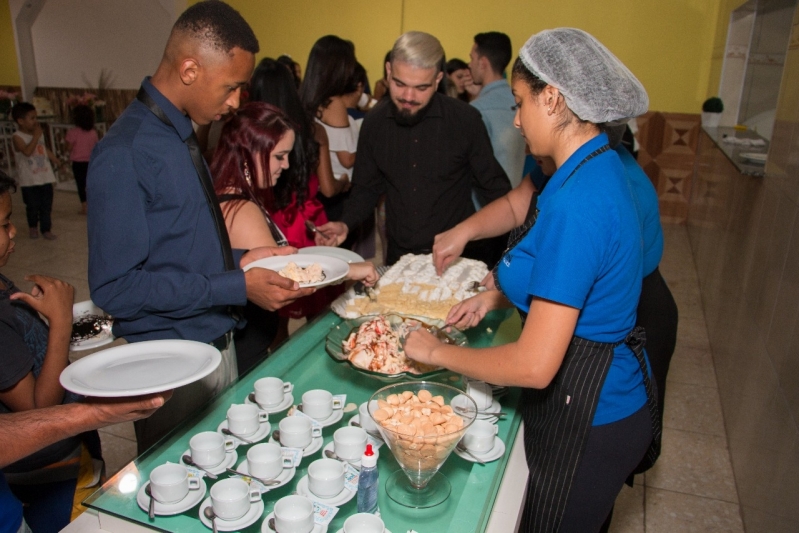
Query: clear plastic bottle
[368,482]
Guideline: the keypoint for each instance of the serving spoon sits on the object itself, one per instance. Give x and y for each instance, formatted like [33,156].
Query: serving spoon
[265,482]
[330,454]
[226,431]
[189,461]
[151,507]
[211,516]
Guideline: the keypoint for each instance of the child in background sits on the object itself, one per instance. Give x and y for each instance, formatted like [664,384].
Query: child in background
[35,175]
[80,143]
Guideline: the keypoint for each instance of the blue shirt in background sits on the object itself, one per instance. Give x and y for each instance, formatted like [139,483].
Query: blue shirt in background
[155,260]
[494,103]
[585,252]
[10,509]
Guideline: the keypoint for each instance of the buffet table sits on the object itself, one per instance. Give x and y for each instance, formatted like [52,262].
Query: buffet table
[483,498]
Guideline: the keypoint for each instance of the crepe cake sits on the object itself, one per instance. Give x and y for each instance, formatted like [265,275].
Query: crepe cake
[412,287]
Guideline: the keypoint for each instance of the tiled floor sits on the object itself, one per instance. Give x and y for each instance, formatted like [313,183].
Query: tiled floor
[690,489]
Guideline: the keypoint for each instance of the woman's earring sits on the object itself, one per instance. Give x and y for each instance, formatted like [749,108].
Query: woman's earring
[247,174]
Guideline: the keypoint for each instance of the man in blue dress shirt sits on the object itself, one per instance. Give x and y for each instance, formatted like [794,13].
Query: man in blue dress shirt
[156,261]
[489,58]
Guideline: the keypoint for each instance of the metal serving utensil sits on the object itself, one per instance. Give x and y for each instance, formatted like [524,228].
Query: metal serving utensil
[462,447]
[265,482]
[211,516]
[151,507]
[313,229]
[226,431]
[189,461]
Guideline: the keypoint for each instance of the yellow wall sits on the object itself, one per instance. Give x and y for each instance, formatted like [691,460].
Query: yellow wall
[675,47]
[668,45]
[9,69]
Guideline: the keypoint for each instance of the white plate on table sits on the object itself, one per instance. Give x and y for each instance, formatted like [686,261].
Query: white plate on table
[317,528]
[249,518]
[334,269]
[167,509]
[86,308]
[141,368]
[336,501]
[331,251]
[755,157]
[496,451]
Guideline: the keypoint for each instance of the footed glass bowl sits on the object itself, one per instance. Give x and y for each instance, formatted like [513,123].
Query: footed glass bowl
[420,443]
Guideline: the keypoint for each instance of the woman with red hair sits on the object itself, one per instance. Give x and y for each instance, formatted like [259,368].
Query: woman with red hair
[252,153]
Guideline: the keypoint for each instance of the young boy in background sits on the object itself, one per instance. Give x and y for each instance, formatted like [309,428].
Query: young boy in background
[34,173]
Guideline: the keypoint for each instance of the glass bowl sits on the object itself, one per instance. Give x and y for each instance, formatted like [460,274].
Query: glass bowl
[416,442]
[340,333]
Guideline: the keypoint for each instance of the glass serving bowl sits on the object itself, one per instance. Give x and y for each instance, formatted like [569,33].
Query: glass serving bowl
[340,333]
[417,445]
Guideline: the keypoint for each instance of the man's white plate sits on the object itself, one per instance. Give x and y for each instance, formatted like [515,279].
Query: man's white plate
[331,251]
[755,157]
[334,269]
[141,368]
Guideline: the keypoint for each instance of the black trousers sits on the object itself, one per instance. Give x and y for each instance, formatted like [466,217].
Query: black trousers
[657,313]
[611,453]
[79,170]
[38,206]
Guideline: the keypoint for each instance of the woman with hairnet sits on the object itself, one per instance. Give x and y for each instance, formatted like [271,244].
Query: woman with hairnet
[573,270]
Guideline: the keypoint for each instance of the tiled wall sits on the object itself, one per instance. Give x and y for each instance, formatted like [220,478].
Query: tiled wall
[667,154]
[744,233]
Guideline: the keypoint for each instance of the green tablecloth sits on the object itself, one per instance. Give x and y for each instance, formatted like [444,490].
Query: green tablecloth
[304,362]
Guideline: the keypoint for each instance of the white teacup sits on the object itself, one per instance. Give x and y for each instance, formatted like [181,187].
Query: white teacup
[481,393]
[366,420]
[231,498]
[244,419]
[271,391]
[266,460]
[171,483]
[297,432]
[349,443]
[319,404]
[209,447]
[480,436]
[364,523]
[326,477]
[294,514]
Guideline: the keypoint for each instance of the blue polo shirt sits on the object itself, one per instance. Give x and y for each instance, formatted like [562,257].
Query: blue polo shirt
[155,259]
[585,251]
[646,202]
[10,509]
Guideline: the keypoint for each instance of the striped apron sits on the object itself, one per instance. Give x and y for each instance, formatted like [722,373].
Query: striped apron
[557,419]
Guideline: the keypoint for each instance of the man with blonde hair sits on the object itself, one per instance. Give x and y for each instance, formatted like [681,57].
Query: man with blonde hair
[425,152]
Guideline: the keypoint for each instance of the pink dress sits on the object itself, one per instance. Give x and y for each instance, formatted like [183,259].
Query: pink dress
[291,221]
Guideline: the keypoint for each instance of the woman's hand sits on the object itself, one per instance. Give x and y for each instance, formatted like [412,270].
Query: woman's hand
[51,297]
[448,246]
[364,272]
[471,311]
[419,346]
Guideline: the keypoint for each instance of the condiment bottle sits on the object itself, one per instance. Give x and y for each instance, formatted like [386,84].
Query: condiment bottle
[368,482]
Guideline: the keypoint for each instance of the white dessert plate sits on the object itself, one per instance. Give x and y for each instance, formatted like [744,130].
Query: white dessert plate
[755,157]
[284,477]
[167,509]
[141,368]
[493,454]
[331,251]
[317,528]
[227,462]
[288,400]
[336,501]
[260,434]
[249,518]
[333,268]
[104,336]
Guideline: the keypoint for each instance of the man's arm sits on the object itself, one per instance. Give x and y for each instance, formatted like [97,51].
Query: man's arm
[119,246]
[29,431]
[491,181]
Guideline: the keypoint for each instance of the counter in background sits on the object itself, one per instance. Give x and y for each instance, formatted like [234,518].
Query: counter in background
[734,151]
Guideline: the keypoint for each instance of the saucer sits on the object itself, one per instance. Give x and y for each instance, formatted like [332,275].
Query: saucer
[166,509]
[284,477]
[491,455]
[482,414]
[317,528]
[288,399]
[336,501]
[357,420]
[313,447]
[334,417]
[227,462]
[255,512]
[332,447]
[260,434]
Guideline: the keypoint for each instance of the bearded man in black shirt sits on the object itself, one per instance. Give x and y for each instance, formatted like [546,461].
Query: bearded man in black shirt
[426,152]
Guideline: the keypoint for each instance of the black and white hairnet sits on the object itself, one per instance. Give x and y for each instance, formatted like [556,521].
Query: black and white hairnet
[596,85]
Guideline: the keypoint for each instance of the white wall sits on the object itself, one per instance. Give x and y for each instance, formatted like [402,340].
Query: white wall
[73,39]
